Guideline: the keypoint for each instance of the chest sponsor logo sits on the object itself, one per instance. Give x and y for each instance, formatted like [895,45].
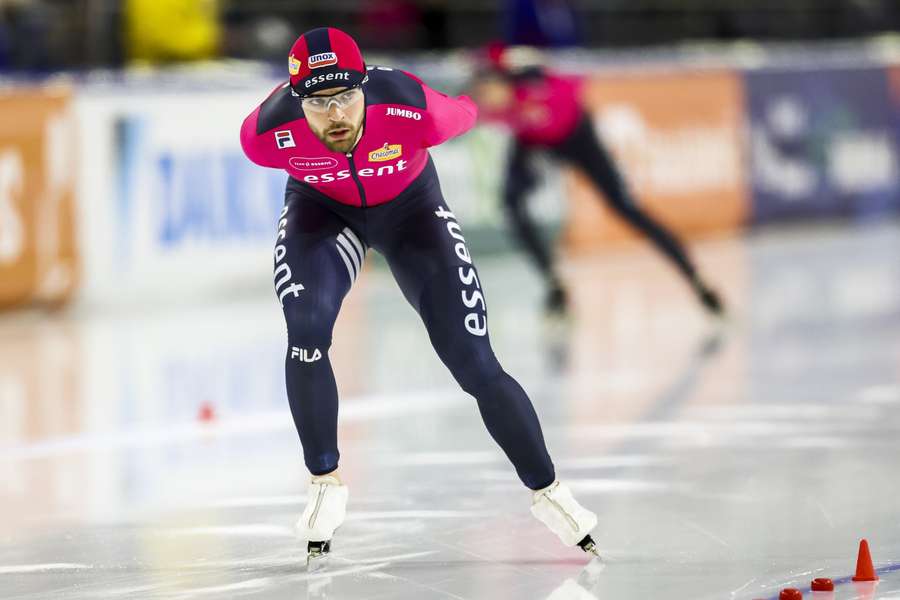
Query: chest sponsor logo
[324,59]
[331,177]
[386,152]
[294,65]
[301,163]
[405,113]
[284,139]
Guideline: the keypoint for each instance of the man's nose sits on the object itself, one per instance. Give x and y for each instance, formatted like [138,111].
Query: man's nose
[335,113]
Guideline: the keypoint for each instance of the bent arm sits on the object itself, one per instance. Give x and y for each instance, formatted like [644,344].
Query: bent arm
[447,117]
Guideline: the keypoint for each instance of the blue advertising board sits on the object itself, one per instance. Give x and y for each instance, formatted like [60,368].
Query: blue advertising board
[821,143]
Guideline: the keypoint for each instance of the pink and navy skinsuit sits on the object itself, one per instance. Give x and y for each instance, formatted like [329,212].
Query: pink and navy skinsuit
[547,116]
[384,195]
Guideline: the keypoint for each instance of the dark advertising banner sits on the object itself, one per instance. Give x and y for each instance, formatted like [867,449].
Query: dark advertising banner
[821,143]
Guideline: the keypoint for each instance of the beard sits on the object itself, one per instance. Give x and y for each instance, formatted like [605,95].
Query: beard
[339,137]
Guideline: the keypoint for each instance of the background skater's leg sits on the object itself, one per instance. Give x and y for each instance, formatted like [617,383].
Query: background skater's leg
[521,178]
[586,150]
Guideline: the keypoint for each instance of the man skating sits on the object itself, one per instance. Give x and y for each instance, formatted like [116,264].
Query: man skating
[355,144]
[545,114]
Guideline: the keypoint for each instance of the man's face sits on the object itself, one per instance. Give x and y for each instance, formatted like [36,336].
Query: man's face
[335,115]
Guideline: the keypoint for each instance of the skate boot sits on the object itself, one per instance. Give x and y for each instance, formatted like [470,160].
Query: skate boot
[326,507]
[555,507]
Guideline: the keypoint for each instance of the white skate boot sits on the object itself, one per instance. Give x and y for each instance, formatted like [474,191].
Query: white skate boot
[555,507]
[326,507]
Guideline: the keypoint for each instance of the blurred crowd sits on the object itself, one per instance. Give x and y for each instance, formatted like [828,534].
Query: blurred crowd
[39,35]
[25,34]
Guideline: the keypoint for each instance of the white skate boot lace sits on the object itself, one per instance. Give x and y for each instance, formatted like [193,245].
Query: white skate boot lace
[569,518]
[323,487]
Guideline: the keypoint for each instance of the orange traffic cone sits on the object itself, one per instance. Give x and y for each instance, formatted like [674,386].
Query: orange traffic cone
[864,569]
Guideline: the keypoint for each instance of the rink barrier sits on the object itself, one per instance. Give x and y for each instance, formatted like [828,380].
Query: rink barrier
[164,197]
[822,143]
[38,251]
[170,207]
[781,144]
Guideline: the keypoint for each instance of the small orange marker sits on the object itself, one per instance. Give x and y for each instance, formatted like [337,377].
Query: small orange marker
[206,413]
[864,569]
[822,584]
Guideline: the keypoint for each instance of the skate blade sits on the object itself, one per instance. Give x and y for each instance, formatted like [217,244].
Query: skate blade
[587,544]
[317,556]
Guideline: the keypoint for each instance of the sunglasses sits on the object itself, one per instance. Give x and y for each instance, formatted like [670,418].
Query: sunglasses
[322,104]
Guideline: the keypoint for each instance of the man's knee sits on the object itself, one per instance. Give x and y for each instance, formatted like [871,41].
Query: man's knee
[309,330]
[474,366]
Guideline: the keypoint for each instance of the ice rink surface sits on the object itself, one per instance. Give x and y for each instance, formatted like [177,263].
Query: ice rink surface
[723,463]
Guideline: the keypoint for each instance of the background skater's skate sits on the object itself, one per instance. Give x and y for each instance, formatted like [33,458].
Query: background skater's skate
[326,508]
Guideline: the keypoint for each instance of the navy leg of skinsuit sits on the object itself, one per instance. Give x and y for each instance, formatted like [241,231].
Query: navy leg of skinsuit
[325,244]
[584,150]
[520,179]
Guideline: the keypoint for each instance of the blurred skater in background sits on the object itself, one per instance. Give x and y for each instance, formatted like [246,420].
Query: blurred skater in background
[544,112]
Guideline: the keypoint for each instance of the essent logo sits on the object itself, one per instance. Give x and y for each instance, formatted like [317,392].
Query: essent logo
[386,152]
[322,59]
[475,321]
[330,77]
[399,166]
[284,283]
[302,163]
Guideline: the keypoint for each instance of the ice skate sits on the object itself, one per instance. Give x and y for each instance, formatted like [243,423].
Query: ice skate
[556,508]
[325,511]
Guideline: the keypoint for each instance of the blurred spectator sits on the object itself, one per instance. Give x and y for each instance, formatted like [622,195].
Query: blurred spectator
[24,34]
[5,43]
[54,34]
[265,37]
[435,23]
[541,23]
[172,30]
[389,24]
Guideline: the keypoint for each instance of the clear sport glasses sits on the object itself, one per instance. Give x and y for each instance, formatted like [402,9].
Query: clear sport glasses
[322,104]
